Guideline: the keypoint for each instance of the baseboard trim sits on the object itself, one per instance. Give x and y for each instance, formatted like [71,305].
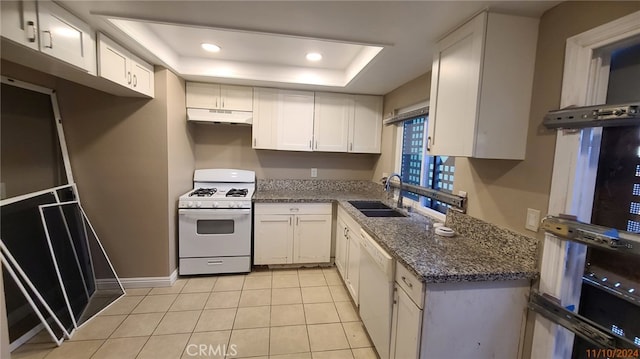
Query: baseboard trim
[150,282]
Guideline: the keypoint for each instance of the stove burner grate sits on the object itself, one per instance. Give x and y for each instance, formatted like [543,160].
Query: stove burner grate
[203,192]
[234,192]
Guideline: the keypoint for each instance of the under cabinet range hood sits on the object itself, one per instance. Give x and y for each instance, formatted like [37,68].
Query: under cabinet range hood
[204,115]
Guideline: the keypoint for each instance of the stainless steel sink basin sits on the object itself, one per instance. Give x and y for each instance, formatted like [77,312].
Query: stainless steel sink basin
[381,213]
[369,205]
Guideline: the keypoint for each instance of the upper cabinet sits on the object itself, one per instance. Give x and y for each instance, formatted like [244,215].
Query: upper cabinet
[117,64]
[48,28]
[366,128]
[220,97]
[333,115]
[294,121]
[481,85]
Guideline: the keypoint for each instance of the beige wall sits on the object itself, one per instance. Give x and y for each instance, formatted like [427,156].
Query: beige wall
[180,151]
[230,146]
[118,152]
[500,191]
[411,93]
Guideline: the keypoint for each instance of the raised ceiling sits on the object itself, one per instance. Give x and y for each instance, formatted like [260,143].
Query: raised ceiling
[264,42]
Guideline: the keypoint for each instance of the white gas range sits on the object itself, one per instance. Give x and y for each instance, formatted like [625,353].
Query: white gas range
[215,222]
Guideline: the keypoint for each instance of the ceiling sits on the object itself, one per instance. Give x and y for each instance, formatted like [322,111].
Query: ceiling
[264,43]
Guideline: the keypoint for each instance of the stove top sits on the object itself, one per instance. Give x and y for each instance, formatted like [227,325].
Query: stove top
[220,188]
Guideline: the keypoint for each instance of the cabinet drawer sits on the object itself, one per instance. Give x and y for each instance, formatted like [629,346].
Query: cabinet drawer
[292,208]
[412,285]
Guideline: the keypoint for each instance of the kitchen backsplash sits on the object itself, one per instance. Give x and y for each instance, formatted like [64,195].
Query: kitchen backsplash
[318,185]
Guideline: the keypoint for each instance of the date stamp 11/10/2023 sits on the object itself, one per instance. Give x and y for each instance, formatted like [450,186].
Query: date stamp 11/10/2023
[602,353]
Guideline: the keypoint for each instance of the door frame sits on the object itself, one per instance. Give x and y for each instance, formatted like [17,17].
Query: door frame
[585,80]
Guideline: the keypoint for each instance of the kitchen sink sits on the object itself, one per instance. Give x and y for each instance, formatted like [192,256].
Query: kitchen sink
[381,213]
[369,205]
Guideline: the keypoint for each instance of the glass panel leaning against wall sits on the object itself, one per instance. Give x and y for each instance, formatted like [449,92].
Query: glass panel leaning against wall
[419,169]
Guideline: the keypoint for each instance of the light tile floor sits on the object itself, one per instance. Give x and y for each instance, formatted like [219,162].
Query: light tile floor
[286,313]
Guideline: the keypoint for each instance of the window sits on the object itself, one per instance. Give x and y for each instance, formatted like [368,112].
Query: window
[419,169]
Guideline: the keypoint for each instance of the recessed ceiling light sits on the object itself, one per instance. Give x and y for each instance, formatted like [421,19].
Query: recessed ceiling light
[314,56]
[210,47]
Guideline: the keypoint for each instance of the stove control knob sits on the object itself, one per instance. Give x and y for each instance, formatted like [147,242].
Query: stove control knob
[190,204]
[216,204]
[198,204]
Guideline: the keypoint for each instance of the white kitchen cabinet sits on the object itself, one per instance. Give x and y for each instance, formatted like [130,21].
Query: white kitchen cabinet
[265,113]
[273,241]
[292,233]
[20,22]
[481,85]
[222,97]
[348,240]
[294,122]
[347,123]
[50,29]
[333,115]
[406,323]
[365,130]
[117,64]
[342,247]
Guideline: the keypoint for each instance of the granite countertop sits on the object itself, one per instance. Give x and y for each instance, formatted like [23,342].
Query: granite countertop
[478,252]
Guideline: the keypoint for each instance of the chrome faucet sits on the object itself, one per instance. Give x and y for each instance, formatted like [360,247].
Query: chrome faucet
[387,187]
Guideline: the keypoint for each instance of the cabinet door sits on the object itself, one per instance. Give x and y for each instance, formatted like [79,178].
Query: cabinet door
[201,95]
[366,128]
[265,113]
[142,78]
[273,239]
[295,120]
[406,327]
[341,248]
[66,37]
[332,115]
[239,98]
[455,89]
[312,239]
[353,264]
[113,62]
[20,22]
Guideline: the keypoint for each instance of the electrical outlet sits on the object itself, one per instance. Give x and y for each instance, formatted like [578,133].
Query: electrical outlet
[314,172]
[533,220]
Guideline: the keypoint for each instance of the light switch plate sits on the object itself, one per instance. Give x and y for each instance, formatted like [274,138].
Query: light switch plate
[533,220]
[314,172]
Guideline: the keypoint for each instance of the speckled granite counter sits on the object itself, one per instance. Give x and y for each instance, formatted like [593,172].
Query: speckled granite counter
[479,252]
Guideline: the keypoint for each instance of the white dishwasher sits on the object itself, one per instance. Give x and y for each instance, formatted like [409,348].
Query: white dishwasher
[376,293]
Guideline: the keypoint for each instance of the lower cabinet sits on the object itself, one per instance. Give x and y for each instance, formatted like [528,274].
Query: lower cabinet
[457,319]
[348,252]
[292,233]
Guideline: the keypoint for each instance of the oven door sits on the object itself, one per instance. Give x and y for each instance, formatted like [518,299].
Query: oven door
[214,232]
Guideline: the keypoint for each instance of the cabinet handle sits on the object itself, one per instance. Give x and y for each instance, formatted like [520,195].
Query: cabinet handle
[316,144]
[404,279]
[222,103]
[351,147]
[135,81]
[294,209]
[50,46]
[297,221]
[254,142]
[429,143]
[344,232]
[129,78]
[216,102]
[214,263]
[310,144]
[31,31]
[289,221]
